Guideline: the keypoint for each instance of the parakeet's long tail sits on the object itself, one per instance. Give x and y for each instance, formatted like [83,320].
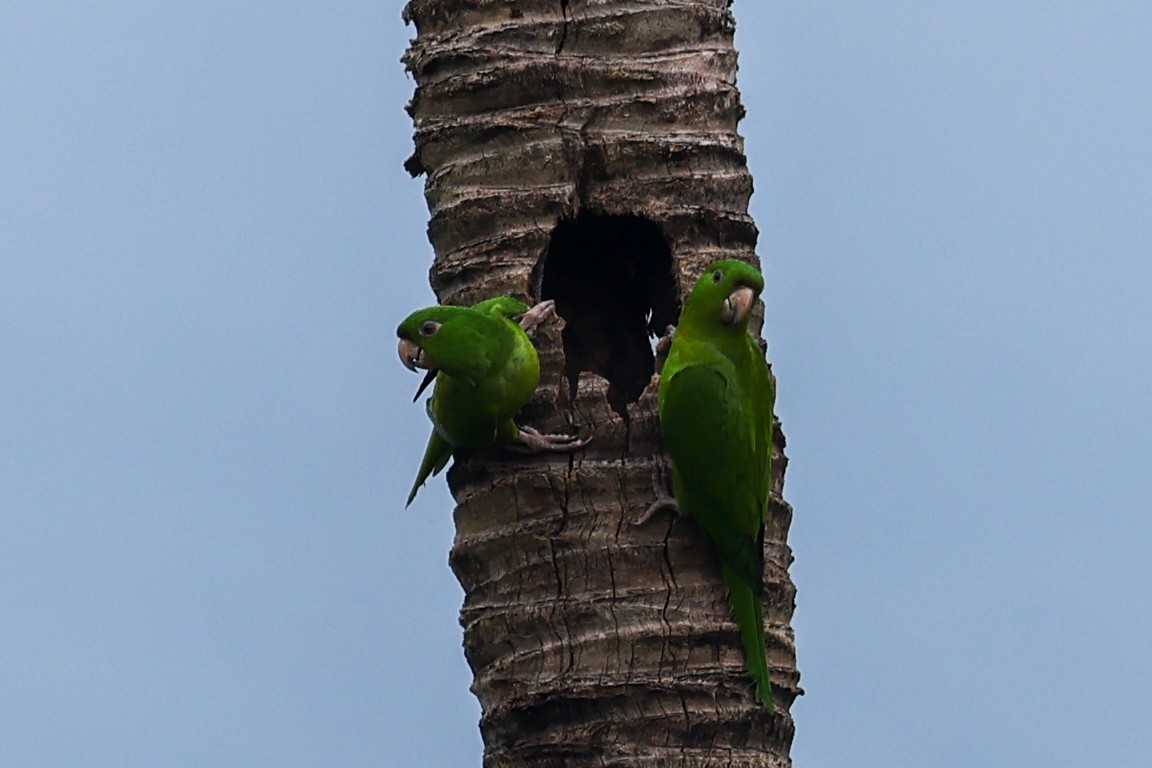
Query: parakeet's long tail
[748,610]
[436,456]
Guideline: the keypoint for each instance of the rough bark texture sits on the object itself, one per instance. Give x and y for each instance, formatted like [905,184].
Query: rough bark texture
[588,152]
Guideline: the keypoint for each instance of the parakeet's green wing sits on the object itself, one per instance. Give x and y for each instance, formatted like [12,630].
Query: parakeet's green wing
[716,486]
[763,391]
[503,306]
[702,408]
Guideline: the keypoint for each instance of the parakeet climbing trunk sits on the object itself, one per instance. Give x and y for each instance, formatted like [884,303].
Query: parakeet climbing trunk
[588,152]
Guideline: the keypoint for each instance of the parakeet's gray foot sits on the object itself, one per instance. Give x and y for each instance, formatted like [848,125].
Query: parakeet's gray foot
[531,441]
[530,320]
[664,500]
[663,344]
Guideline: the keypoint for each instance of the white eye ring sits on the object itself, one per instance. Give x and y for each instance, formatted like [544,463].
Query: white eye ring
[717,276]
[429,328]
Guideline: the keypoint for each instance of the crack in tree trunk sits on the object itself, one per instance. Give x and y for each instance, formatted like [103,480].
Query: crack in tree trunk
[545,126]
[564,29]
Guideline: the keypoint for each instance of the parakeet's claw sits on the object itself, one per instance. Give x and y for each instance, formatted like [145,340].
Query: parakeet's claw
[663,345]
[657,506]
[531,441]
[763,344]
[664,500]
[530,320]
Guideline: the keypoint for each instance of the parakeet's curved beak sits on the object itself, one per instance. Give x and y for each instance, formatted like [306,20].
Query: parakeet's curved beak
[738,305]
[414,357]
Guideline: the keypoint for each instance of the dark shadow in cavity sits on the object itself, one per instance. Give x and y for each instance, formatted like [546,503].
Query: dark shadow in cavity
[611,277]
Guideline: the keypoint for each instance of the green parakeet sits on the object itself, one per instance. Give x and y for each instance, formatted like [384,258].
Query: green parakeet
[485,369]
[716,398]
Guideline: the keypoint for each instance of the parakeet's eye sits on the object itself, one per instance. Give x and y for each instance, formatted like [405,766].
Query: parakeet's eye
[717,276]
[429,328]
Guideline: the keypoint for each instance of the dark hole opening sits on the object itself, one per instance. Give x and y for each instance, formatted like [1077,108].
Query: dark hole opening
[611,278]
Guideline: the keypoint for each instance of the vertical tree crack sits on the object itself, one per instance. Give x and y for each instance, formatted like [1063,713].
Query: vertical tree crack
[564,28]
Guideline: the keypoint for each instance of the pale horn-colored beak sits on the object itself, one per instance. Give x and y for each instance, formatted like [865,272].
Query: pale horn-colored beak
[410,354]
[414,357]
[738,306]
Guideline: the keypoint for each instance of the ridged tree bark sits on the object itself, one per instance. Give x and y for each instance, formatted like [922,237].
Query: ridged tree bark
[588,152]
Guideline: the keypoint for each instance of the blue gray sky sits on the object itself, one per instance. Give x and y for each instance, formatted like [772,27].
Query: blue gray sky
[206,242]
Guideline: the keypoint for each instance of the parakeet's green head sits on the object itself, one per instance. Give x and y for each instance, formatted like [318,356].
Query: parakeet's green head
[724,295]
[421,328]
[461,341]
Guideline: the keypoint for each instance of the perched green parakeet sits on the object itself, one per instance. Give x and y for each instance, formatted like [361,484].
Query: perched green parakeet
[485,369]
[716,398]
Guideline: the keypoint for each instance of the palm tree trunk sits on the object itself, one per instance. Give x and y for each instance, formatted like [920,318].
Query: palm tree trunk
[586,151]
